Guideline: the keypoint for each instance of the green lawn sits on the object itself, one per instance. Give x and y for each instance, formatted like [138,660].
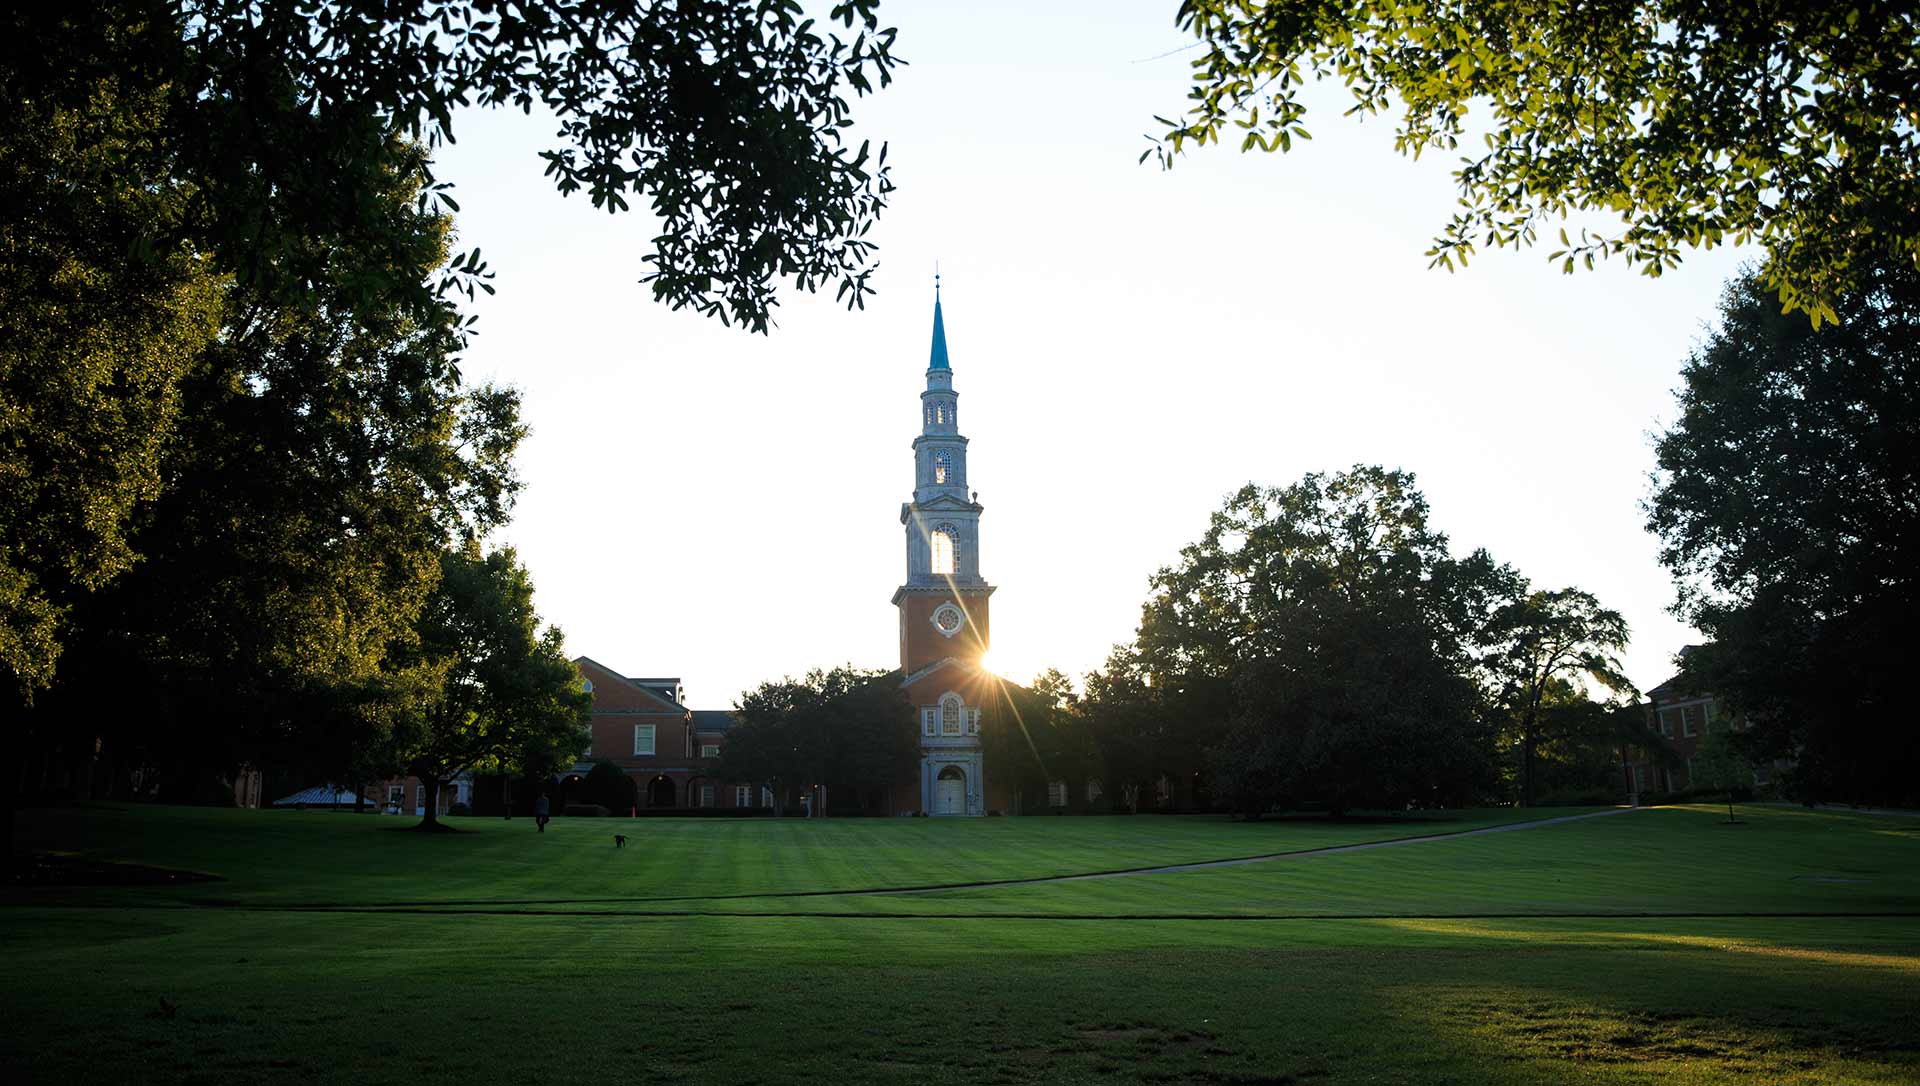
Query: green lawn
[311,856]
[529,993]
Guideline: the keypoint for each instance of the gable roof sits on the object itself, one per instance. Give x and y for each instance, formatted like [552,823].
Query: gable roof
[944,662]
[641,685]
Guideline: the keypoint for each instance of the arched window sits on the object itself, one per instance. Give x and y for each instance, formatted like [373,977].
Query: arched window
[941,542]
[950,715]
[939,414]
[942,467]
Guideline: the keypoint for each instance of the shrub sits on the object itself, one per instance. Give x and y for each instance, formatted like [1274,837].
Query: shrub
[584,810]
[607,785]
[459,809]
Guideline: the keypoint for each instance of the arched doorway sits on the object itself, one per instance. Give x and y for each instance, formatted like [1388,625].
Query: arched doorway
[950,792]
[660,792]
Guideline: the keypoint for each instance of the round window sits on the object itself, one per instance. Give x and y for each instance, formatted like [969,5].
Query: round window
[948,619]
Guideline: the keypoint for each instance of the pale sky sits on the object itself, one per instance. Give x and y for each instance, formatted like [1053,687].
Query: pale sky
[1129,345]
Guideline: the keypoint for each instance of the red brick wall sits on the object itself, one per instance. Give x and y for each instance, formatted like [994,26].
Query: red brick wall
[921,644]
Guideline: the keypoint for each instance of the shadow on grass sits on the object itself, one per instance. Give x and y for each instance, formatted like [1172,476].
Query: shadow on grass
[57,869]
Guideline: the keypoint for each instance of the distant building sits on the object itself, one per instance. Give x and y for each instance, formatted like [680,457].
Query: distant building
[671,752]
[1684,716]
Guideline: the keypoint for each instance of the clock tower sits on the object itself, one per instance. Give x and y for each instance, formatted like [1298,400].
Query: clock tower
[943,604]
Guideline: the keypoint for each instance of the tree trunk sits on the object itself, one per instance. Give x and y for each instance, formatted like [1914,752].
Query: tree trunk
[1526,766]
[431,819]
[10,770]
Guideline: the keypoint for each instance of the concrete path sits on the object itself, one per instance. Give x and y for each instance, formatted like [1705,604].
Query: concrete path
[1205,865]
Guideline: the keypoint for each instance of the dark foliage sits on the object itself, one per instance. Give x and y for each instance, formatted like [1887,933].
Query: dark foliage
[1786,505]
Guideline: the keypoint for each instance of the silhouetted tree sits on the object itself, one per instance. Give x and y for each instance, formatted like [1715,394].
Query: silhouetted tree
[844,728]
[1324,622]
[1784,502]
[1546,638]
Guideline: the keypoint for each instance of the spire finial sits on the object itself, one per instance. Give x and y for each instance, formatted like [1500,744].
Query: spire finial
[939,359]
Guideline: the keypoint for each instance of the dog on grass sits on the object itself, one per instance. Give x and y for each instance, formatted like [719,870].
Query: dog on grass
[619,840]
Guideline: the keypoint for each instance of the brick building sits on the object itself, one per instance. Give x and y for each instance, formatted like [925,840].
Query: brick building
[1684,717]
[672,752]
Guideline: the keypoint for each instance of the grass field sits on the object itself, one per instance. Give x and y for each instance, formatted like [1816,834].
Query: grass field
[1655,946]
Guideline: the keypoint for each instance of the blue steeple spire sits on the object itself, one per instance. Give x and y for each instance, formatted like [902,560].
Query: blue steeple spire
[939,361]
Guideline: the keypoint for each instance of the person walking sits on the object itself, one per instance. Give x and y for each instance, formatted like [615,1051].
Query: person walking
[540,812]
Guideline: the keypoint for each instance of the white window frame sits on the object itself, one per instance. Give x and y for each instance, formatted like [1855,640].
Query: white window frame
[709,750]
[1666,722]
[743,795]
[973,722]
[1692,721]
[930,720]
[646,732]
[954,722]
[707,796]
[1057,794]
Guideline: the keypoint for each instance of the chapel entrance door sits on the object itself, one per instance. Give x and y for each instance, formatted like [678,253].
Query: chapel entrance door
[950,792]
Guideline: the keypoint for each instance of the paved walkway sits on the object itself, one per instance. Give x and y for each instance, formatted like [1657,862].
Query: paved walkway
[1171,869]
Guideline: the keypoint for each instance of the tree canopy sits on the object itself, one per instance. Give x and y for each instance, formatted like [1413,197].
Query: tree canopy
[490,690]
[730,118]
[101,325]
[1785,505]
[1543,639]
[845,728]
[1790,124]
[1321,645]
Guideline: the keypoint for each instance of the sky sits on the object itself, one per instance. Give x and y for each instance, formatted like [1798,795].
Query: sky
[1130,345]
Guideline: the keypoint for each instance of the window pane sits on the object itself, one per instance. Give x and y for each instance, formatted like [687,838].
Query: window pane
[942,553]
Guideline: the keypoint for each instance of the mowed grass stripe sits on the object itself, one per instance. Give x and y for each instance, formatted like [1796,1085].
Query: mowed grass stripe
[338,859]
[1681,861]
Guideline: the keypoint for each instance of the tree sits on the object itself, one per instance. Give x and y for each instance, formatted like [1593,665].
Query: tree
[1787,123]
[730,117]
[609,786]
[1358,713]
[842,728]
[1031,736]
[326,454]
[103,318]
[1785,504]
[1722,764]
[1547,638]
[492,692]
[1328,625]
